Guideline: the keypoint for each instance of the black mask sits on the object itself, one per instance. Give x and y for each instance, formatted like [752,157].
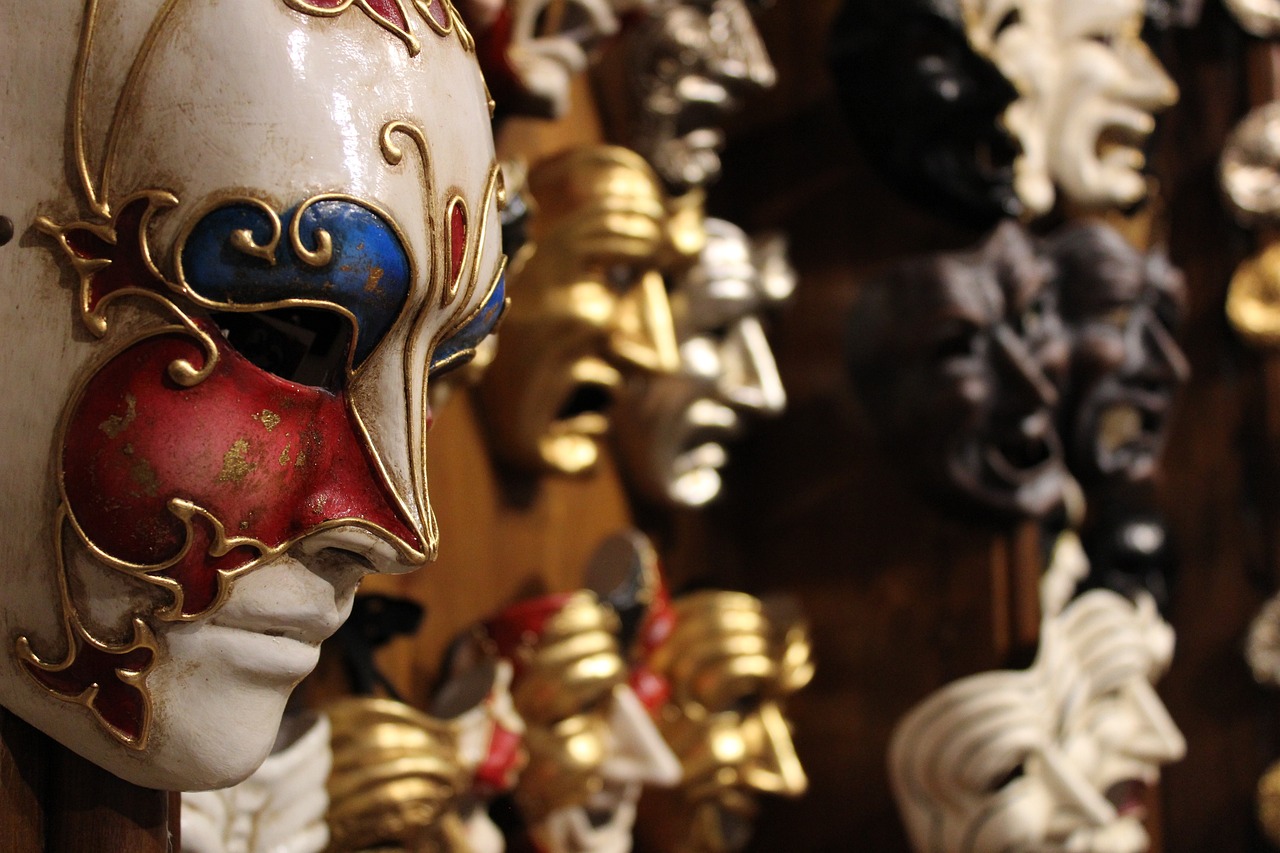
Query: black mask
[926,108]
[955,357]
[1120,308]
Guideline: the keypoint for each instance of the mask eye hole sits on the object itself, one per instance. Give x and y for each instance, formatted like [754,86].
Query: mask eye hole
[304,345]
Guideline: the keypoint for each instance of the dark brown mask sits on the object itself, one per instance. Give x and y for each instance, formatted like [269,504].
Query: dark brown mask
[955,357]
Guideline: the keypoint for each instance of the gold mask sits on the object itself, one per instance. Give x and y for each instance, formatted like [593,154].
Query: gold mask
[729,665]
[398,780]
[589,307]
[591,743]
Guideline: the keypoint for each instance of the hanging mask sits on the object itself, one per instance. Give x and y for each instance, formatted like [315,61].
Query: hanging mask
[716,669]
[672,430]
[1121,309]
[249,235]
[1258,17]
[688,65]
[926,107]
[592,746]
[280,807]
[421,782]
[593,309]
[1088,89]
[956,358]
[530,50]
[1057,757]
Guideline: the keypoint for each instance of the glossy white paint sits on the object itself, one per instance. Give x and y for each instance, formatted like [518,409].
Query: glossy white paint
[244,98]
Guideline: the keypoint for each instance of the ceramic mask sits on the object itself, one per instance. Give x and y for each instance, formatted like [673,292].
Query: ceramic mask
[1121,308]
[592,311]
[1259,17]
[249,234]
[279,809]
[1249,169]
[926,107]
[717,669]
[406,780]
[1057,757]
[688,65]
[672,430]
[956,358]
[530,50]
[592,746]
[1088,89]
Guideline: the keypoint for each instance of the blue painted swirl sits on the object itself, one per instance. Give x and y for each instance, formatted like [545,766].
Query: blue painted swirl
[368,272]
[459,348]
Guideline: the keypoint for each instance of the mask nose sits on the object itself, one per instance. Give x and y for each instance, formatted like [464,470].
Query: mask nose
[1159,740]
[744,65]
[642,332]
[776,767]
[749,376]
[1020,370]
[1165,360]
[639,753]
[1072,790]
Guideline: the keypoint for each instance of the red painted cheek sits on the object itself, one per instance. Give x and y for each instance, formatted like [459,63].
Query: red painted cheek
[268,459]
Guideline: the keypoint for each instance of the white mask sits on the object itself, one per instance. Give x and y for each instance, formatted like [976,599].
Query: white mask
[1088,88]
[279,809]
[672,429]
[1052,758]
[212,203]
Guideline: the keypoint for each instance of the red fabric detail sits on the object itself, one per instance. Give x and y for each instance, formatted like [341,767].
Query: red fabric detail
[651,689]
[269,459]
[128,267]
[457,241]
[121,705]
[498,773]
[522,623]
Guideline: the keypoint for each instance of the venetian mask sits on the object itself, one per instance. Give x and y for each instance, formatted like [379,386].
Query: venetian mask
[404,780]
[1088,87]
[1121,308]
[1259,17]
[688,65]
[672,430]
[955,358]
[531,49]
[1249,169]
[926,107]
[592,746]
[717,668]
[593,308]
[241,276]
[281,807]
[1057,757]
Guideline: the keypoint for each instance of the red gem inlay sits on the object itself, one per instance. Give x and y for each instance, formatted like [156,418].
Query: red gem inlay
[457,241]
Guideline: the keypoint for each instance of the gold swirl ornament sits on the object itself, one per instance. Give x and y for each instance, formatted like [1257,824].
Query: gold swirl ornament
[1253,300]
[397,780]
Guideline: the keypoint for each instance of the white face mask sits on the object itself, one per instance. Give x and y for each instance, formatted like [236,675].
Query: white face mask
[1053,758]
[250,233]
[1259,17]
[1088,89]
[672,430]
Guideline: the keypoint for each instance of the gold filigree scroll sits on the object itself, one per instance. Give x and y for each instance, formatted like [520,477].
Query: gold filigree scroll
[392,15]
[122,705]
